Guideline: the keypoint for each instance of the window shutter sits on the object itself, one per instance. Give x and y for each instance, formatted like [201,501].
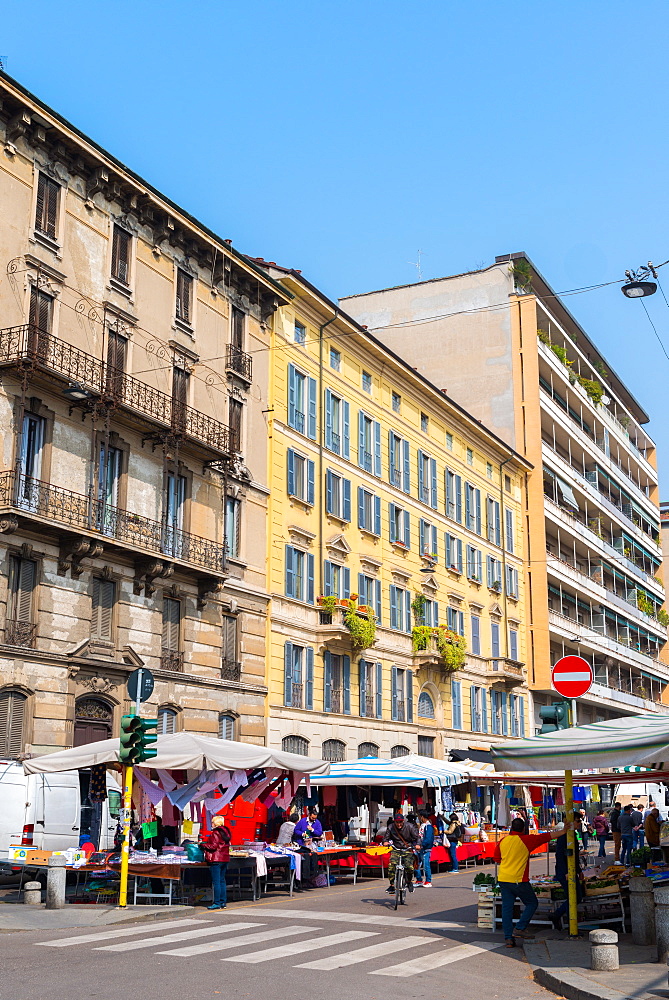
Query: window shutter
[513,644]
[407,529]
[183,304]
[346,511]
[377,600]
[421,536]
[327,681]
[288,674]
[498,532]
[328,492]
[391,522]
[346,586]
[171,622]
[23,585]
[521,714]
[433,482]
[361,439]
[12,723]
[229,638]
[328,419]
[393,692]
[468,506]
[459,547]
[447,549]
[102,608]
[327,578]
[362,596]
[494,637]
[434,539]
[292,396]
[363,686]
[409,694]
[377,515]
[505,714]
[121,255]
[394,615]
[406,475]
[461,623]
[311,415]
[46,214]
[310,481]
[407,611]
[489,565]
[456,704]
[509,530]
[458,499]
[472,709]
[484,710]
[309,679]
[361,507]
[489,519]
[346,437]
[448,492]
[476,634]
[477,494]
[40,310]
[290,571]
[291,472]
[310,579]
[377,448]
[421,483]
[391,458]
[39,207]
[479,565]
[379,690]
[346,683]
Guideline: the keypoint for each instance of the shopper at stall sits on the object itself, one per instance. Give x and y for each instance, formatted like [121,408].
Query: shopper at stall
[601,825]
[651,828]
[285,834]
[561,873]
[455,833]
[614,817]
[626,827]
[425,845]
[512,854]
[216,848]
[402,836]
[637,832]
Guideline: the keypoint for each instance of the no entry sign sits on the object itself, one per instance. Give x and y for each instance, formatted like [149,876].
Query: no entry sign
[572,676]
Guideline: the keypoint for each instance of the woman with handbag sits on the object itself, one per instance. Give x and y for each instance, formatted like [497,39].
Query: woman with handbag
[216,848]
[454,833]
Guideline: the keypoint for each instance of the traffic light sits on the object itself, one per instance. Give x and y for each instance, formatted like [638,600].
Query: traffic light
[131,730]
[554,717]
[148,736]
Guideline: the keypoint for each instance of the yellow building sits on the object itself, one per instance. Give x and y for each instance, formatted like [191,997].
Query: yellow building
[387,495]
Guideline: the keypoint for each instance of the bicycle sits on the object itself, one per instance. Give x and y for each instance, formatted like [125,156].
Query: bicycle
[401,886]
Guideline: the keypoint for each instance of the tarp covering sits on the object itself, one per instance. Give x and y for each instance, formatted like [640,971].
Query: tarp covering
[181,750]
[642,739]
[411,769]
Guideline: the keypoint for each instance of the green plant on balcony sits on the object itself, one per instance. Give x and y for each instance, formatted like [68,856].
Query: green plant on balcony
[561,354]
[522,276]
[600,369]
[644,604]
[328,604]
[594,389]
[624,420]
[450,645]
[418,609]
[361,624]
[663,617]
[544,338]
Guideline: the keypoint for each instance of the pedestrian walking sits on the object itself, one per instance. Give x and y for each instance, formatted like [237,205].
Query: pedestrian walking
[216,849]
[614,817]
[637,832]
[425,845]
[512,854]
[626,827]
[601,825]
[454,833]
[651,828]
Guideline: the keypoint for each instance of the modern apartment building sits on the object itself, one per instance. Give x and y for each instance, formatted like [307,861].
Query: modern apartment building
[392,512]
[506,346]
[133,499]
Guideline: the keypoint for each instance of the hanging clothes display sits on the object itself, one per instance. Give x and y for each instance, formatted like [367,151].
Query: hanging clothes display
[97,788]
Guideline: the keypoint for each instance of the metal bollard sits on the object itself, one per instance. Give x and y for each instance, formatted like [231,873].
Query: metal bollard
[604,951]
[55,883]
[32,893]
[661,895]
[642,910]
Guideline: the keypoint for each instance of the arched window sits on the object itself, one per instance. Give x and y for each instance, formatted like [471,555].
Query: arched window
[399,751]
[12,723]
[295,744]
[226,726]
[425,706]
[368,750]
[93,719]
[333,750]
[167,721]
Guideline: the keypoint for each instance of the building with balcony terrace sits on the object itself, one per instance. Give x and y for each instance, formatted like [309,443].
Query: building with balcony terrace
[133,496]
[393,513]
[506,346]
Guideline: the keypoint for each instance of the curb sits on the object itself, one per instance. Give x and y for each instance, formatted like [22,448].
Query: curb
[132,918]
[569,984]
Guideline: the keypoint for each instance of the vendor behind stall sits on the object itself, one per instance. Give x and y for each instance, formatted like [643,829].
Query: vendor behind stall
[306,832]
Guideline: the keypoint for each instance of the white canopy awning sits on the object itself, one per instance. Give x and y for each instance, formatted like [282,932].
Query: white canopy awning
[410,770]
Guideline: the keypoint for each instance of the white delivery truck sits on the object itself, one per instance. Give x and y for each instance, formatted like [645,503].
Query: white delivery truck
[52,811]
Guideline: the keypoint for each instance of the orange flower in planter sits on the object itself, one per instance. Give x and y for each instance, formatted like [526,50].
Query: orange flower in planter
[354,597]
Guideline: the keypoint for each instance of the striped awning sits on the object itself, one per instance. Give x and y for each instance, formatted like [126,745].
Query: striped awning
[411,770]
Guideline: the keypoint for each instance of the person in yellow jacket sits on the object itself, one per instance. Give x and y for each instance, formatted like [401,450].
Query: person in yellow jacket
[513,857]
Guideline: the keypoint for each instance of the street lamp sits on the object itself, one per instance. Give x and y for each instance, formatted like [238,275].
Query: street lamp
[637,286]
[76,392]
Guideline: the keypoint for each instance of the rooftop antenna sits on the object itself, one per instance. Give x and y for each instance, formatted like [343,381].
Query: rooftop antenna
[417,264]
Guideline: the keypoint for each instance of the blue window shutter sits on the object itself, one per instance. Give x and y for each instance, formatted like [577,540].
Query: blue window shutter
[521,714]
[346,683]
[448,492]
[472,709]
[311,421]
[407,611]
[449,618]
[406,474]
[327,578]
[468,505]
[421,536]
[479,565]
[470,561]
[361,508]
[328,492]
[377,600]
[494,636]
[459,541]
[509,530]
[363,687]
[290,571]
[494,727]
[394,618]
[362,596]
[391,522]
[407,529]
[461,623]
[361,439]
[458,499]
[346,584]
[310,481]
[484,710]
[513,644]
[347,499]
[421,483]
[505,714]
[328,419]
[346,436]
[309,680]
[377,448]
[477,494]
[377,515]
[379,690]
[498,532]
[327,681]
[310,578]
[476,634]
[288,674]
[435,616]
[292,375]
[291,472]
[391,458]
[393,693]
[433,483]
[456,704]
[447,548]
[434,539]
[409,694]
[489,569]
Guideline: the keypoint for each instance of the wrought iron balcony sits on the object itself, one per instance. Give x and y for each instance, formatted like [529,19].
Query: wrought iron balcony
[238,362]
[32,498]
[18,633]
[172,659]
[231,670]
[30,348]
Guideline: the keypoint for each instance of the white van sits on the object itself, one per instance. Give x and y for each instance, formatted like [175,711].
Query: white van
[51,811]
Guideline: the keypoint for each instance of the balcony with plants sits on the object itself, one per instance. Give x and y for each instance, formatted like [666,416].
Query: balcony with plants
[343,619]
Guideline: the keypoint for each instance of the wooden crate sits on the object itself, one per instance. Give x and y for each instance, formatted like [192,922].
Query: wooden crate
[604,890]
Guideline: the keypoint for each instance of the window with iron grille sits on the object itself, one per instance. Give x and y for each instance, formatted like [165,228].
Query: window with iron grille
[121,243]
[235,411]
[13,720]
[102,609]
[237,328]
[425,706]
[171,624]
[41,307]
[229,643]
[333,751]
[226,726]
[46,211]
[167,721]
[184,303]
[426,746]
[399,751]
[20,626]
[295,744]
[368,750]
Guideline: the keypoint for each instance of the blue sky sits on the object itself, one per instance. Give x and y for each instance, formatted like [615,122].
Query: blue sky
[342,137]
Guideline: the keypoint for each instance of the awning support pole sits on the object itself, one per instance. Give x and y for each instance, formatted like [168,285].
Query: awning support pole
[571,853]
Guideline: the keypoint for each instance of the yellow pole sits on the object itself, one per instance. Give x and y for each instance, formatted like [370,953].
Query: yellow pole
[571,853]
[125,849]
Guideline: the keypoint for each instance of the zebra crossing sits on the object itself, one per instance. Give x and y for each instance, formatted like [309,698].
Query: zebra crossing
[230,939]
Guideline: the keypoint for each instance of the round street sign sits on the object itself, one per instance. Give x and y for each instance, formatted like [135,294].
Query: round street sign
[146,684]
[572,676]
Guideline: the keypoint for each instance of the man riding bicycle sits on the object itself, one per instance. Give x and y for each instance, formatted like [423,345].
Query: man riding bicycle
[402,836]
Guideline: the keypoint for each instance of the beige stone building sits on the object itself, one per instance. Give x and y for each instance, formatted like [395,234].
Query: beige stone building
[133,345]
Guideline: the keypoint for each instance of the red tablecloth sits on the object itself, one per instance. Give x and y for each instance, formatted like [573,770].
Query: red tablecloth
[476,849]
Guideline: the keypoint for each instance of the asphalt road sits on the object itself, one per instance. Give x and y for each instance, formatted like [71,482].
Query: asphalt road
[343,942]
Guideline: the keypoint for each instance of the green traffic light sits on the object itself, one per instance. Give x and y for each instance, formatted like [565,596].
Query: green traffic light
[148,737]
[129,738]
[555,717]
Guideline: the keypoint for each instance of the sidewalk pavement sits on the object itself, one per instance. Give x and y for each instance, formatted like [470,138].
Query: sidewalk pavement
[38,918]
[563,966]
